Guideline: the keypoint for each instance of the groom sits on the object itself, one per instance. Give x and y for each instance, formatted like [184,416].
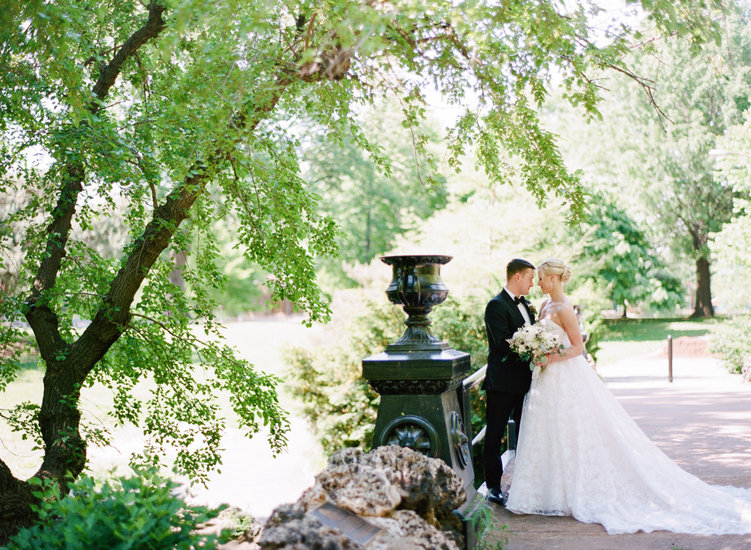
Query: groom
[508,377]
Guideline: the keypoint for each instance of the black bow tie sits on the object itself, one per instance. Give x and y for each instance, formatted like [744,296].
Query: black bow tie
[518,300]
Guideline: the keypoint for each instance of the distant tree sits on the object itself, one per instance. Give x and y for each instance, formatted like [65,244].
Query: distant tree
[730,245]
[374,195]
[685,198]
[182,109]
[615,253]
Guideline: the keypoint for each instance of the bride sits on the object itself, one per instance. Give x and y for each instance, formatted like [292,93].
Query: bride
[580,454]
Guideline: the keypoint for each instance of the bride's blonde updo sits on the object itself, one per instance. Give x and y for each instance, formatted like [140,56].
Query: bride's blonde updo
[556,267]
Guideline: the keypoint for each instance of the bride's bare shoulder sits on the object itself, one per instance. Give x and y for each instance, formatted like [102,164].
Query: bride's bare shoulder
[565,309]
[556,309]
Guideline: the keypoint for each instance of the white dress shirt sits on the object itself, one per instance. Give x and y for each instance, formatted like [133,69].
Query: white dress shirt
[522,308]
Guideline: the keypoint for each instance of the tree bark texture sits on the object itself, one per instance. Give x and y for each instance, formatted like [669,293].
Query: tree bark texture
[15,504]
[703,297]
[703,303]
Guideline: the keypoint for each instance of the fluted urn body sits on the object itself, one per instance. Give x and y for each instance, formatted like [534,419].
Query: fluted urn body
[416,285]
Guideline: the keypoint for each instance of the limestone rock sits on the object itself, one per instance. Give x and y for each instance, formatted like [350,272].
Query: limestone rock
[405,529]
[360,488]
[306,533]
[245,528]
[428,486]
[410,496]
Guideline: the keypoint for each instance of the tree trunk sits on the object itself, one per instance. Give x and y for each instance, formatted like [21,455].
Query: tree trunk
[176,275]
[59,420]
[15,504]
[703,302]
[68,364]
[367,232]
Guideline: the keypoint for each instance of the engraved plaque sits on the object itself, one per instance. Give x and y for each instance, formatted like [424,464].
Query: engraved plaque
[347,523]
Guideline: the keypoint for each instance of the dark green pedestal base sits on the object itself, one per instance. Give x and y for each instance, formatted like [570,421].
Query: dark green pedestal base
[423,407]
[469,514]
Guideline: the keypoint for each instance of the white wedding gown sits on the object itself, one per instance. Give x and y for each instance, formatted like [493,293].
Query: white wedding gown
[579,453]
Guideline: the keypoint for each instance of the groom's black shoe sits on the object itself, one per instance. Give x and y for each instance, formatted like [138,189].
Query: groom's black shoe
[495,495]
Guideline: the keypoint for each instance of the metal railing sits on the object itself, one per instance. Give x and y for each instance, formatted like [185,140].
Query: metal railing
[470,382]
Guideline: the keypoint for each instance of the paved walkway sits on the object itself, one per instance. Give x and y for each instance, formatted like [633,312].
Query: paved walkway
[702,420]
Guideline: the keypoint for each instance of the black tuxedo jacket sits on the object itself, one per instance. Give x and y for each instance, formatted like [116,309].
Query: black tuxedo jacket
[502,319]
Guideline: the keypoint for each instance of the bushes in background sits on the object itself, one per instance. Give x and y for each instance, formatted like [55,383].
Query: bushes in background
[730,340]
[328,381]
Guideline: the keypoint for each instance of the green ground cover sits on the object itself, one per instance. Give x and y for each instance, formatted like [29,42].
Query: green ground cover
[634,337]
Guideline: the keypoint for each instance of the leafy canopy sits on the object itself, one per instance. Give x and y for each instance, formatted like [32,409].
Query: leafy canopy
[174,113]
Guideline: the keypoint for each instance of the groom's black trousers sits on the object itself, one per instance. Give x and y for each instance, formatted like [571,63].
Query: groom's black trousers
[499,405]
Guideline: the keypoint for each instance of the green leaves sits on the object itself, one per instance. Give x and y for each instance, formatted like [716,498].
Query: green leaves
[125,513]
[136,129]
[190,369]
[617,255]
[373,197]
[730,341]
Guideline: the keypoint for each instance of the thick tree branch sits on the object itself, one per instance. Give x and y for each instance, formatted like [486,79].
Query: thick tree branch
[41,318]
[65,450]
[154,25]
[114,314]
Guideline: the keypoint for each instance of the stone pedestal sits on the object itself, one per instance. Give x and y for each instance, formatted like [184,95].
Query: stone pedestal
[420,404]
[420,380]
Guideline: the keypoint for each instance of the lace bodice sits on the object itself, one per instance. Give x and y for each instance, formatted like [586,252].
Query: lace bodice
[555,327]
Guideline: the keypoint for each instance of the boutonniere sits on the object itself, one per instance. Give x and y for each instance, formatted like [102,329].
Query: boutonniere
[531,307]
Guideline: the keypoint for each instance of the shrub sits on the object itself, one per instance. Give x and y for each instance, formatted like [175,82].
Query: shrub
[138,512]
[595,330]
[730,340]
[328,380]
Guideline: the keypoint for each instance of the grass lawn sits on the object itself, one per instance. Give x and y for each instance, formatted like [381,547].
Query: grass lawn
[633,337]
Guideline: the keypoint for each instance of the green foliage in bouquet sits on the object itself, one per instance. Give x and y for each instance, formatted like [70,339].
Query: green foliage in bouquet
[137,512]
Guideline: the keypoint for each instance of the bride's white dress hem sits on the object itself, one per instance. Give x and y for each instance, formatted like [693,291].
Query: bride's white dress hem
[580,454]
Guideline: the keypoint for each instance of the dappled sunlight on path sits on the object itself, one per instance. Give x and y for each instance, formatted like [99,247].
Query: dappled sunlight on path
[702,420]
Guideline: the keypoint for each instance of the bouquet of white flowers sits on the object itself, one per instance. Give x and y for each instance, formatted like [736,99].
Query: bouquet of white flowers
[533,342]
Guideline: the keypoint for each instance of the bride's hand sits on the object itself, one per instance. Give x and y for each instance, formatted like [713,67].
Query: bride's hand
[546,360]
